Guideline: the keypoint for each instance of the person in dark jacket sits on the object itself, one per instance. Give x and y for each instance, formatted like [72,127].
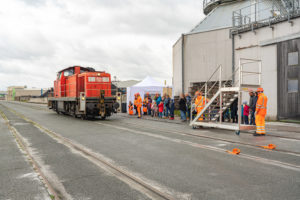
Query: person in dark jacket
[149,102]
[166,105]
[234,109]
[252,106]
[188,105]
[172,108]
[182,107]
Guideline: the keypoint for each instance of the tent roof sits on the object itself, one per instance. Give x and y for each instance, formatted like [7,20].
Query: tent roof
[148,81]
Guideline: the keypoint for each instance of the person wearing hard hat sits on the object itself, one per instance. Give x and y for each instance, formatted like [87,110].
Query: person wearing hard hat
[199,103]
[139,104]
[261,111]
[135,103]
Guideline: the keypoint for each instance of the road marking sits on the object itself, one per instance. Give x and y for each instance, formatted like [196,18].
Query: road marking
[208,147]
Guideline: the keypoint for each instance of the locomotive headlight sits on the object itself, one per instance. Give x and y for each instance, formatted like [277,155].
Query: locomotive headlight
[82,98]
[98,74]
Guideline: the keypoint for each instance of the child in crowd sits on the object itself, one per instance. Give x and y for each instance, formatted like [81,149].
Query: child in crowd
[130,108]
[160,109]
[246,112]
[154,109]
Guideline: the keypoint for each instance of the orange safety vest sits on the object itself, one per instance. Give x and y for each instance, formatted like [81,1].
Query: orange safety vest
[261,104]
[130,109]
[144,109]
[200,102]
[135,102]
[139,101]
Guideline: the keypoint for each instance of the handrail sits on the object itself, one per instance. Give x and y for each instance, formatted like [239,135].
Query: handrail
[211,76]
[212,87]
[205,85]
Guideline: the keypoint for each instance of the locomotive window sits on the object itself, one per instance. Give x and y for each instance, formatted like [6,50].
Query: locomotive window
[69,72]
[92,79]
[58,75]
[82,71]
[105,79]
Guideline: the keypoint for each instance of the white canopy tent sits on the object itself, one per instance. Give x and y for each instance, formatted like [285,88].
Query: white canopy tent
[147,85]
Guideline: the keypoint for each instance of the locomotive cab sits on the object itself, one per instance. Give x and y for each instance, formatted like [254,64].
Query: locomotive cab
[81,91]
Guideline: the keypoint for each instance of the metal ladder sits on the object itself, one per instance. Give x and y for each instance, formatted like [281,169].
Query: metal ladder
[220,94]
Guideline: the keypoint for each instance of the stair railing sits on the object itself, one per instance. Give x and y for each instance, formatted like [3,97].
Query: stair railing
[206,89]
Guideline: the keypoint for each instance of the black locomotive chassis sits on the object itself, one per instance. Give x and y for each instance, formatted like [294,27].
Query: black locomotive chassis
[69,105]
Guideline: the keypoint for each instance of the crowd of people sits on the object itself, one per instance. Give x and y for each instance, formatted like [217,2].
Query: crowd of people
[159,106]
[247,110]
[253,113]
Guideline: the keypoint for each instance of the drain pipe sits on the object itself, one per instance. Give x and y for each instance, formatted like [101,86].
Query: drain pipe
[233,57]
[182,62]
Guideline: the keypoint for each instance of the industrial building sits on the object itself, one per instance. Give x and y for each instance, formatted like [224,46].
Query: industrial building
[3,95]
[22,93]
[266,30]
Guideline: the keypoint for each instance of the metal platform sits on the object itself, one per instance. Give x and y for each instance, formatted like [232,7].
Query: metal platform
[224,125]
[219,96]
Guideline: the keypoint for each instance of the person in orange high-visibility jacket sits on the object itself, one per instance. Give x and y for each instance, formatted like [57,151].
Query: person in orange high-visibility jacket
[145,102]
[199,103]
[261,111]
[135,103]
[130,108]
[139,104]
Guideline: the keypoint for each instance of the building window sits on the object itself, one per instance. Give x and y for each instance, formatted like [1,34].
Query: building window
[293,85]
[293,58]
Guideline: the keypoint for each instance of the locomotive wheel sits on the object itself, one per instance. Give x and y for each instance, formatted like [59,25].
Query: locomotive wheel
[83,117]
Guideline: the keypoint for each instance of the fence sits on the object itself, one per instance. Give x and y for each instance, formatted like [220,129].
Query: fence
[264,12]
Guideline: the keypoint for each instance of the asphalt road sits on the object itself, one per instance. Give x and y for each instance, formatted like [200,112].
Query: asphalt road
[157,154]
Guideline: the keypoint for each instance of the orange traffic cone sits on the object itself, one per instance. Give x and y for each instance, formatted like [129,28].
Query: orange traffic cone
[270,146]
[234,151]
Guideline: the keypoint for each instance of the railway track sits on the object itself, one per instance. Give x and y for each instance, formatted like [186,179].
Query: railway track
[263,160]
[209,137]
[244,132]
[204,136]
[199,136]
[268,135]
[151,191]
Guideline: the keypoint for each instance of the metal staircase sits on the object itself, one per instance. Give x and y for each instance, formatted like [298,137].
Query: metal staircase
[220,95]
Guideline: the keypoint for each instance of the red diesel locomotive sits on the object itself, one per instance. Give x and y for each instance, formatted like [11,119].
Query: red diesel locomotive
[83,92]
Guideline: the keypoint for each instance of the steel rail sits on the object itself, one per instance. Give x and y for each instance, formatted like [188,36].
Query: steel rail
[278,136]
[46,109]
[213,138]
[20,141]
[209,147]
[151,189]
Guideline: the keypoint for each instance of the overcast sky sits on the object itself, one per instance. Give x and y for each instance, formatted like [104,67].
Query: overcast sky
[128,38]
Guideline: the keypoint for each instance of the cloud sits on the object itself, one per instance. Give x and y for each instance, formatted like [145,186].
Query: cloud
[128,38]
